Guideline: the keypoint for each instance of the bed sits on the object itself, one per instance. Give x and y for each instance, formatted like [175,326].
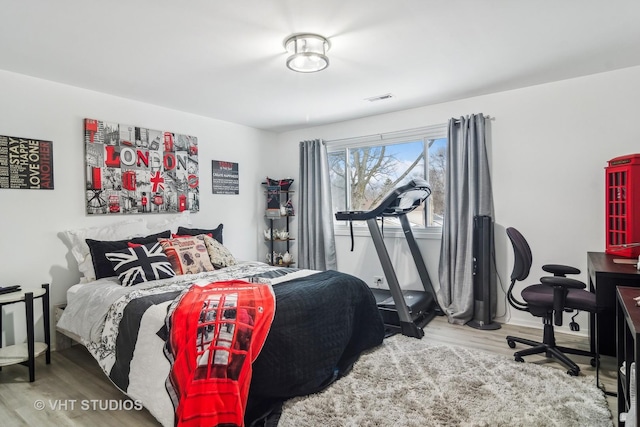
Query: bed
[322,321]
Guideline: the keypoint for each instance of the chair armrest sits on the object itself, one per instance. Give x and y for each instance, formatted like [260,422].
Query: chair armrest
[561,286]
[559,269]
[565,282]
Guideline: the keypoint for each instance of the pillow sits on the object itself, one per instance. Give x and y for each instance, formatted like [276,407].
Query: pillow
[80,249]
[188,255]
[172,223]
[98,248]
[177,236]
[216,232]
[219,255]
[140,264]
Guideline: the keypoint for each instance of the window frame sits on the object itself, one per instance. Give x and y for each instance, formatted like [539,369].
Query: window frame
[425,134]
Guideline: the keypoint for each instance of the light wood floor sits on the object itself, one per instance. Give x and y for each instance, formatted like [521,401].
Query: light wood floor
[73,376]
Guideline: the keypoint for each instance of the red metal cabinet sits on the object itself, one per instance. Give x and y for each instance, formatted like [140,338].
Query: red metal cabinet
[622,187]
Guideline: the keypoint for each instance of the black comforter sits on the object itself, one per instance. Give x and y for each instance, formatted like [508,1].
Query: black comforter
[322,324]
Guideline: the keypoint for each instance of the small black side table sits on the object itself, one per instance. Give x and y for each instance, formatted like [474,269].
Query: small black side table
[628,345]
[25,353]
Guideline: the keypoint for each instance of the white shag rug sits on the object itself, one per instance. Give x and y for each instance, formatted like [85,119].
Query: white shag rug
[408,382]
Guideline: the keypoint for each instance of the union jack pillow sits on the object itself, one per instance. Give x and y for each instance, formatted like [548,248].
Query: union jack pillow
[141,263]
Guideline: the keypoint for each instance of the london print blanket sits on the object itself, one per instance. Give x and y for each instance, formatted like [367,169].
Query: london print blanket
[215,332]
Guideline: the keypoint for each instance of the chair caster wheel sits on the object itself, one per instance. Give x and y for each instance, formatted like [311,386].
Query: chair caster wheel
[519,359]
[512,344]
[573,372]
[594,362]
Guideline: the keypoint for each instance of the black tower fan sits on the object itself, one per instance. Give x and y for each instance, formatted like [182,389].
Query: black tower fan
[484,275]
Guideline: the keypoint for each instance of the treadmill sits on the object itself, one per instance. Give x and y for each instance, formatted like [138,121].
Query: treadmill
[402,311]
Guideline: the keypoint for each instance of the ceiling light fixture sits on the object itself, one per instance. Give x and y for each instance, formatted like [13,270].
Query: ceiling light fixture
[308,52]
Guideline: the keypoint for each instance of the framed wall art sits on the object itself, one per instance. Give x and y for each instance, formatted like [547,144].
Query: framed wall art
[131,170]
[25,163]
[224,177]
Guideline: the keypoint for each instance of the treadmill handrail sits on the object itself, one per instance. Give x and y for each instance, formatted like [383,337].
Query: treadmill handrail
[386,207]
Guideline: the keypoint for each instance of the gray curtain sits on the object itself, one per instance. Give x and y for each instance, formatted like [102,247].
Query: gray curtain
[316,240]
[467,193]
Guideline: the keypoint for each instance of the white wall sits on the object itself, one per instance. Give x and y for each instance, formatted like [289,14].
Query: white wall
[548,148]
[31,220]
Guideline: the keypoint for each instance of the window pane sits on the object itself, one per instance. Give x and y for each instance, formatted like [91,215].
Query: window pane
[362,176]
[377,170]
[437,168]
[338,182]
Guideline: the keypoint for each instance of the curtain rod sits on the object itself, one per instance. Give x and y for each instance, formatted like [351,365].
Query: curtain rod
[487,117]
[387,135]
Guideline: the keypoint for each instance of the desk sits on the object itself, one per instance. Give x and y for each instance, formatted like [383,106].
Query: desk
[604,276]
[628,334]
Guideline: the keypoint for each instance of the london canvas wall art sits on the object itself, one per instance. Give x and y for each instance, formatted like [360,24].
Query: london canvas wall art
[131,170]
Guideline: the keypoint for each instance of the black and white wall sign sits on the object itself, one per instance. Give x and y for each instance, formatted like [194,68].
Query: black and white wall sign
[225,178]
[26,164]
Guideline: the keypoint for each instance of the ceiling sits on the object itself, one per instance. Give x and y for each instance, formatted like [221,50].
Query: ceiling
[226,60]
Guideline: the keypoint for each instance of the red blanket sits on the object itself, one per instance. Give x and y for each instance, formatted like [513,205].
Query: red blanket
[215,332]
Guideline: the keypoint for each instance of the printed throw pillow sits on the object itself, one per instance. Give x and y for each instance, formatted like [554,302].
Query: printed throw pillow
[141,264]
[188,255]
[219,255]
[101,265]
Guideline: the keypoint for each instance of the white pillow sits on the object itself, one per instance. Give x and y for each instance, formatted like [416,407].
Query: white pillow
[117,231]
[172,223]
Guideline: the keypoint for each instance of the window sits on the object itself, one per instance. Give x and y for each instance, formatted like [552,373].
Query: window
[364,170]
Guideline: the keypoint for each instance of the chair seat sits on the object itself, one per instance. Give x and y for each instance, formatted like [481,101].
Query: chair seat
[580,299]
[541,296]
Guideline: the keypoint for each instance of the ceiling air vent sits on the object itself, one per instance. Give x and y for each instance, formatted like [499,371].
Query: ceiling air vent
[379,97]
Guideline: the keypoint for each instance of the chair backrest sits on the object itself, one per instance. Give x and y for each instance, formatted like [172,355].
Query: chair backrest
[522,254]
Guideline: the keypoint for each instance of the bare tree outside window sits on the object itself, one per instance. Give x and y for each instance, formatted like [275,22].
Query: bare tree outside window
[362,176]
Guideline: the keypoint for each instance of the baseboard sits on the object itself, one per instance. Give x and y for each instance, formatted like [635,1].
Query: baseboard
[537,324]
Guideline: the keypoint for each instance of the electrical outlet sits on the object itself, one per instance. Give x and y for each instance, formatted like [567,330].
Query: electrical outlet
[378,281]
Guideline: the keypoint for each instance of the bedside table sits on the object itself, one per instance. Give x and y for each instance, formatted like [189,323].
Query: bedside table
[26,353]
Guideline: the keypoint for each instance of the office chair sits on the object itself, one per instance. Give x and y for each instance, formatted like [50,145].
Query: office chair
[548,300]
